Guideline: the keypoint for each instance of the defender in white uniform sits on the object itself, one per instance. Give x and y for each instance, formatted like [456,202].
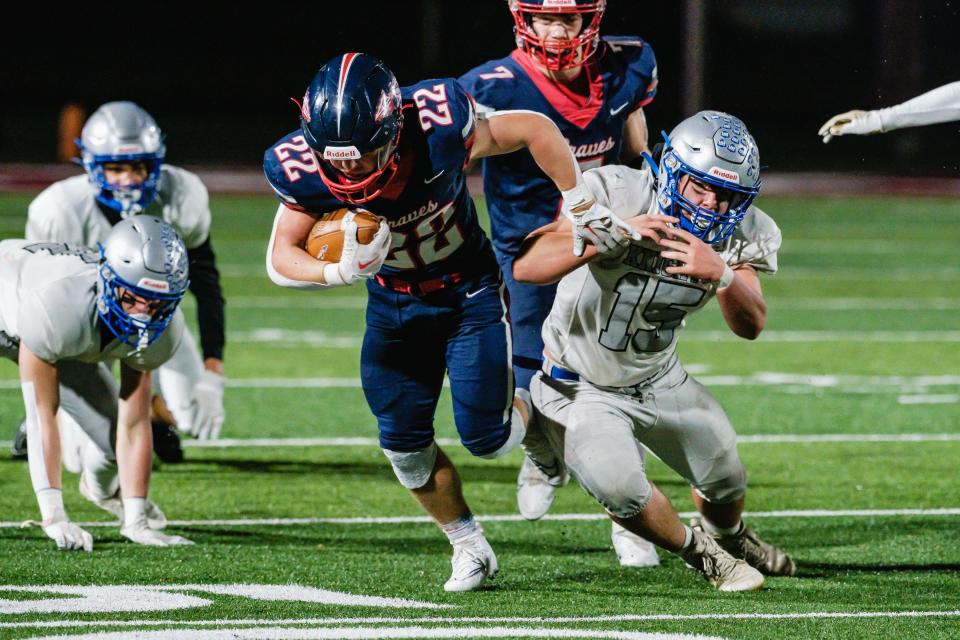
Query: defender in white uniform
[612,385]
[64,312]
[122,152]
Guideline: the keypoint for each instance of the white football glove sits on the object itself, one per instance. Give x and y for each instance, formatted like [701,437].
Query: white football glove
[856,122]
[141,533]
[208,412]
[595,223]
[57,525]
[358,261]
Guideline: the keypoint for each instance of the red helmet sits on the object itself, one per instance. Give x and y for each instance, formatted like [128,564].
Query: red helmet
[558,55]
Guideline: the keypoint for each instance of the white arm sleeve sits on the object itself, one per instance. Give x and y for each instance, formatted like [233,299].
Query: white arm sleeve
[940,105]
[275,276]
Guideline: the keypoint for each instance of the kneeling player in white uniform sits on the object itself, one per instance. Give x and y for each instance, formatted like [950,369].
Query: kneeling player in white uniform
[122,152]
[64,313]
[612,385]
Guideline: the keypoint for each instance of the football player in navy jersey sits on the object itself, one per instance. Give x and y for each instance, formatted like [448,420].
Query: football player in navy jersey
[436,300]
[594,89]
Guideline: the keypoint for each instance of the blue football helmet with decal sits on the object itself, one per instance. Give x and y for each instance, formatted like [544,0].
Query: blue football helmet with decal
[143,263]
[352,111]
[122,132]
[713,148]
[558,54]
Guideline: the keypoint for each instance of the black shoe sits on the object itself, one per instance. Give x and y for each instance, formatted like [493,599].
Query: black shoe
[18,449]
[166,442]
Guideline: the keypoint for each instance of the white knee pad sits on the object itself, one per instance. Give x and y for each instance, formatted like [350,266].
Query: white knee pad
[99,472]
[413,468]
[177,378]
[518,426]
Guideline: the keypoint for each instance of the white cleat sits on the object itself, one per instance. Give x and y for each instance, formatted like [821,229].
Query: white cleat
[535,490]
[473,562]
[113,505]
[633,550]
[718,567]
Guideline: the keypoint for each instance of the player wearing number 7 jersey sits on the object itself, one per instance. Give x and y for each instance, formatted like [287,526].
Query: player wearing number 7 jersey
[436,302]
[612,384]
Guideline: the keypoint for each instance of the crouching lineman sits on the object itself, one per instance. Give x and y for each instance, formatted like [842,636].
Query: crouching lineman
[612,384]
[66,311]
[122,150]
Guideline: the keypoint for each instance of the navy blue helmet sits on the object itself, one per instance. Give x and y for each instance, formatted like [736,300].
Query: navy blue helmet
[352,110]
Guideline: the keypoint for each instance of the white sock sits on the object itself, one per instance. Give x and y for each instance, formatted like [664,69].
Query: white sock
[461,528]
[133,510]
[687,537]
[721,531]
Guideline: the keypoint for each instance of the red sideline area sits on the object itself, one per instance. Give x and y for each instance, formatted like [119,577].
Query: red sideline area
[32,178]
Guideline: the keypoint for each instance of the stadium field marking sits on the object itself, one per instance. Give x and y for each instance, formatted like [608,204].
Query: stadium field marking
[353,441]
[342,303]
[930,399]
[863,384]
[275,632]
[269,335]
[628,617]
[511,517]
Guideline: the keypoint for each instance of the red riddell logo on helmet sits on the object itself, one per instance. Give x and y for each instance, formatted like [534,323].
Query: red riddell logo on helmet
[723,174]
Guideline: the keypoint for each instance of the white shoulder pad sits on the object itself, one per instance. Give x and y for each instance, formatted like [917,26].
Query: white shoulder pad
[186,205]
[161,350]
[627,192]
[755,242]
[59,213]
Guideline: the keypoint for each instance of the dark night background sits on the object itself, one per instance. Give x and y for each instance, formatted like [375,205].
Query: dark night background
[218,77]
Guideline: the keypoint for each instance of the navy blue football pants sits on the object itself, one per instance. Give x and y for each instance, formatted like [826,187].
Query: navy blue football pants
[411,341]
[529,306]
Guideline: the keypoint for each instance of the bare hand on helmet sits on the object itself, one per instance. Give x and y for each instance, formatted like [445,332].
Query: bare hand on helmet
[697,258]
[358,261]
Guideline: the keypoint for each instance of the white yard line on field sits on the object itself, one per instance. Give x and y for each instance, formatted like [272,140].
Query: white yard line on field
[267,335]
[285,522]
[867,384]
[780,438]
[946,398]
[638,617]
[340,303]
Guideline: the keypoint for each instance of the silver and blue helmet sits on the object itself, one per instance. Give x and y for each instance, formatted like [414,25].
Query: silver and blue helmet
[143,256]
[714,148]
[122,132]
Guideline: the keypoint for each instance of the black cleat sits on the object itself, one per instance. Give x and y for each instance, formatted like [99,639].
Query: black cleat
[18,449]
[166,442]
